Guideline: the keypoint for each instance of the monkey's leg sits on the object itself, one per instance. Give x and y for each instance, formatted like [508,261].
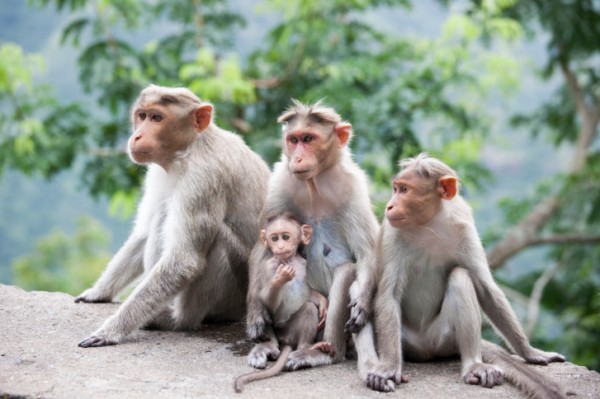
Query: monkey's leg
[459,322]
[216,295]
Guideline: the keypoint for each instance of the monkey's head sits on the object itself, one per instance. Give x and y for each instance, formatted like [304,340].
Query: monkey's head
[313,138]
[283,236]
[164,123]
[419,189]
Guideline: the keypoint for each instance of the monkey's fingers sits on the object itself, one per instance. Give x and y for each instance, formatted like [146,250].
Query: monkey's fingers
[380,383]
[537,356]
[90,299]
[94,342]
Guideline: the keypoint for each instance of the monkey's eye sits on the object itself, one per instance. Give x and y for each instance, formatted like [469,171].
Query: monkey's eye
[294,140]
[307,139]
[156,117]
[274,238]
[142,115]
[403,189]
[285,237]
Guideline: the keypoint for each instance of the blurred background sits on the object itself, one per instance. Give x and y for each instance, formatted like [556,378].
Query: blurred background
[507,92]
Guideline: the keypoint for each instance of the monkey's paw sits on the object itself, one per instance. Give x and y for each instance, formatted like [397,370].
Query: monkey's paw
[384,379]
[358,317]
[486,375]
[92,296]
[96,341]
[325,347]
[262,352]
[536,356]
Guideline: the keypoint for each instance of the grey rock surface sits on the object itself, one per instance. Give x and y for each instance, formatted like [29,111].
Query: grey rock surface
[39,358]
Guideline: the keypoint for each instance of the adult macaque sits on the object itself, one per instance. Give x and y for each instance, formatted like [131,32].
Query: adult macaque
[298,312]
[320,184]
[195,226]
[433,281]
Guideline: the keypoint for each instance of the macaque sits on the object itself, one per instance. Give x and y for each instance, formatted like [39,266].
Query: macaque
[434,280]
[298,312]
[318,182]
[195,226]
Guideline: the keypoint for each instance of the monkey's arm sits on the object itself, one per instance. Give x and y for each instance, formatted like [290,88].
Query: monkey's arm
[123,268]
[257,316]
[182,261]
[498,309]
[362,290]
[388,324]
[271,294]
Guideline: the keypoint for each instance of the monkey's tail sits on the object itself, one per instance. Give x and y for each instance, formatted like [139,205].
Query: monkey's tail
[528,380]
[275,369]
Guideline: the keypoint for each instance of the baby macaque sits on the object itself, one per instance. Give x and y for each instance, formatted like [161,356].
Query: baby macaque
[298,312]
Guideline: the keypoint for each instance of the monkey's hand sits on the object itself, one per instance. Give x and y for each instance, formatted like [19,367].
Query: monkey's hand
[96,341]
[536,356]
[359,315]
[262,352]
[486,375]
[384,378]
[283,274]
[92,295]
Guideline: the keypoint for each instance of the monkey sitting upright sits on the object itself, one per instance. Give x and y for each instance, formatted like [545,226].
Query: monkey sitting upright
[298,312]
[433,282]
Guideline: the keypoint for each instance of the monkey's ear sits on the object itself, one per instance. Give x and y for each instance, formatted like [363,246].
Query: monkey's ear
[306,235]
[263,238]
[202,116]
[343,131]
[448,187]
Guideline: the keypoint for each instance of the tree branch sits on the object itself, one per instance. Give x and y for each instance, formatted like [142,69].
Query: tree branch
[533,308]
[523,233]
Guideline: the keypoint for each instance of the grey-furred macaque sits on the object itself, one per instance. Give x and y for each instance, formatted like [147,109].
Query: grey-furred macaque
[298,312]
[434,280]
[319,183]
[195,226]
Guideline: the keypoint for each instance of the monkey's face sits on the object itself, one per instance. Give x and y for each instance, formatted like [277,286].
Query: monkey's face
[415,201]
[306,150]
[282,238]
[159,133]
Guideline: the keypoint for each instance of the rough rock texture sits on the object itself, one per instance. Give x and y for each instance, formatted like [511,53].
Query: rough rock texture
[39,358]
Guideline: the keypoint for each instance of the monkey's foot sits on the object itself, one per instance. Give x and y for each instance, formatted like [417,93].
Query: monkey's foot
[89,296]
[305,358]
[325,347]
[384,379]
[262,352]
[486,375]
[95,341]
[536,356]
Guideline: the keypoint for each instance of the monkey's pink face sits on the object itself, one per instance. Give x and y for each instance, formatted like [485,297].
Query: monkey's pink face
[145,143]
[412,204]
[283,238]
[303,147]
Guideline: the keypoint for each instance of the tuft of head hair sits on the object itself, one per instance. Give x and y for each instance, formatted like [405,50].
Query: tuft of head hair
[427,167]
[289,216]
[180,97]
[315,113]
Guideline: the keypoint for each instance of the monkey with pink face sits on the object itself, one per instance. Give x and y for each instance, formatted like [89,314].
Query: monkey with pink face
[433,281]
